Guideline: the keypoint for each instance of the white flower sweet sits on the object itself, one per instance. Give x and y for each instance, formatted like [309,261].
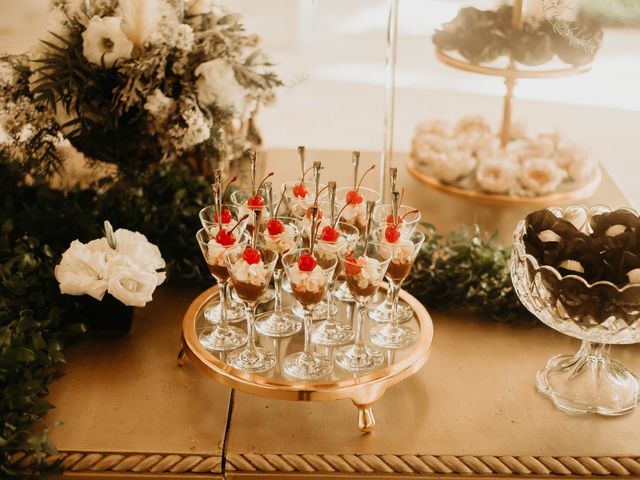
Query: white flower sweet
[474,141]
[159,105]
[140,252]
[435,127]
[217,85]
[474,124]
[452,166]
[541,175]
[83,269]
[496,175]
[132,286]
[577,161]
[104,40]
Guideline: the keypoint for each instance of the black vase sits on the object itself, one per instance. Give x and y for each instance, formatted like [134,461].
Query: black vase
[108,315]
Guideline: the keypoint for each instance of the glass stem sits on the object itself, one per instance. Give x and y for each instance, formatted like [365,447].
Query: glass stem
[277,285]
[330,319]
[394,290]
[308,346]
[223,286]
[358,346]
[250,311]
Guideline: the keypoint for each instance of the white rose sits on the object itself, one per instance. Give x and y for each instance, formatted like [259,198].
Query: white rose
[436,127]
[474,141]
[159,105]
[104,40]
[452,166]
[83,269]
[541,175]
[132,286]
[140,252]
[577,161]
[217,84]
[496,175]
[473,125]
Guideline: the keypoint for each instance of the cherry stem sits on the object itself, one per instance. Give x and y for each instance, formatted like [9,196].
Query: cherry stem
[401,196]
[304,174]
[364,175]
[255,192]
[315,202]
[226,189]
[244,217]
[409,213]
[284,189]
[337,217]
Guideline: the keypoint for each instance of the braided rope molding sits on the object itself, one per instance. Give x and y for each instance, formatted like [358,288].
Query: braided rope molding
[130,462]
[441,464]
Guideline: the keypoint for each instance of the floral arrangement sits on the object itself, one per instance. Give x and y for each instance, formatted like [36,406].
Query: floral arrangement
[482,36]
[134,83]
[123,264]
[469,155]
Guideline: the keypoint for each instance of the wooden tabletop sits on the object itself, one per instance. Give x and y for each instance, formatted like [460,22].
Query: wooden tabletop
[128,411]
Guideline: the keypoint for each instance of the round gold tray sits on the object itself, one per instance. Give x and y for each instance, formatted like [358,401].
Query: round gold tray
[363,390]
[512,71]
[571,194]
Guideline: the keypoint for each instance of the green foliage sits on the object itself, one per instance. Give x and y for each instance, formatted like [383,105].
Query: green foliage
[466,269]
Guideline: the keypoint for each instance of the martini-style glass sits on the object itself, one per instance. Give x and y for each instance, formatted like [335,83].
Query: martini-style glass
[309,282]
[251,269]
[364,268]
[383,217]
[403,250]
[220,336]
[229,218]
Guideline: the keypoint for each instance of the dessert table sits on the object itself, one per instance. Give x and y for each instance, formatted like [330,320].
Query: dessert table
[128,411]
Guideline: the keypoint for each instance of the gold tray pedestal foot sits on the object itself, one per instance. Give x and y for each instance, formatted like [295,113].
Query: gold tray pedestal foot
[366,419]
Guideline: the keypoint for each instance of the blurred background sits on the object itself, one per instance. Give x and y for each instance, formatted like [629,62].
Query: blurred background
[331,53]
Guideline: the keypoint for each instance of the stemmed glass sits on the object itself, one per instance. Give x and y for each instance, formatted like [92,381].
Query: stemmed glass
[403,251]
[382,217]
[364,269]
[231,214]
[309,282]
[293,198]
[221,336]
[331,332]
[281,236]
[251,269]
[243,199]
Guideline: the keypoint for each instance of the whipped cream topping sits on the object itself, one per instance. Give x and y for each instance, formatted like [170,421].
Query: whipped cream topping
[312,281]
[400,251]
[254,274]
[298,203]
[283,242]
[355,213]
[369,274]
[329,250]
[305,225]
[548,236]
[214,252]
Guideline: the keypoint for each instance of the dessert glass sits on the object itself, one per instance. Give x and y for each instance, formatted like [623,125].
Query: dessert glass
[309,288]
[241,196]
[599,314]
[363,278]
[294,203]
[277,323]
[251,283]
[221,336]
[382,311]
[330,332]
[208,219]
[403,254]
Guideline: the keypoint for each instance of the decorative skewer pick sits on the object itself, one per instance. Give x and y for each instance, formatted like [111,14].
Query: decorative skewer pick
[284,190]
[314,228]
[301,156]
[269,194]
[317,166]
[252,159]
[395,206]
[331,186]
[257,220]
[393,178]
[217,175]
[355,159]
[370,206]
[217,202]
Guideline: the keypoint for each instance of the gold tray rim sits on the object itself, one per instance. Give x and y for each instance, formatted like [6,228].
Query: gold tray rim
[466,66]
[581,192]
[364,389]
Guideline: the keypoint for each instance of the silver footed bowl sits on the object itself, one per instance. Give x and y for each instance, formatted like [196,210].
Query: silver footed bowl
[597,312]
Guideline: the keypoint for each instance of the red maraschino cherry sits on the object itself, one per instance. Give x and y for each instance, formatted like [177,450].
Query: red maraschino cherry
[392,234]
[390,220]
[275,227]
[256,202]
[225,238]
[306,262]
[226,216]
[353,197]
[251,256]
[300,190]
[329,234]
[308,214]
[351,266]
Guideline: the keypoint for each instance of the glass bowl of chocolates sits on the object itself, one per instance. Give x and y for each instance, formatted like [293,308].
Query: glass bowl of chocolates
[577,269]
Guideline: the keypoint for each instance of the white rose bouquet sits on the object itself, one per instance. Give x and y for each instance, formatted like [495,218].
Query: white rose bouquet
[137,82]
[123,264]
